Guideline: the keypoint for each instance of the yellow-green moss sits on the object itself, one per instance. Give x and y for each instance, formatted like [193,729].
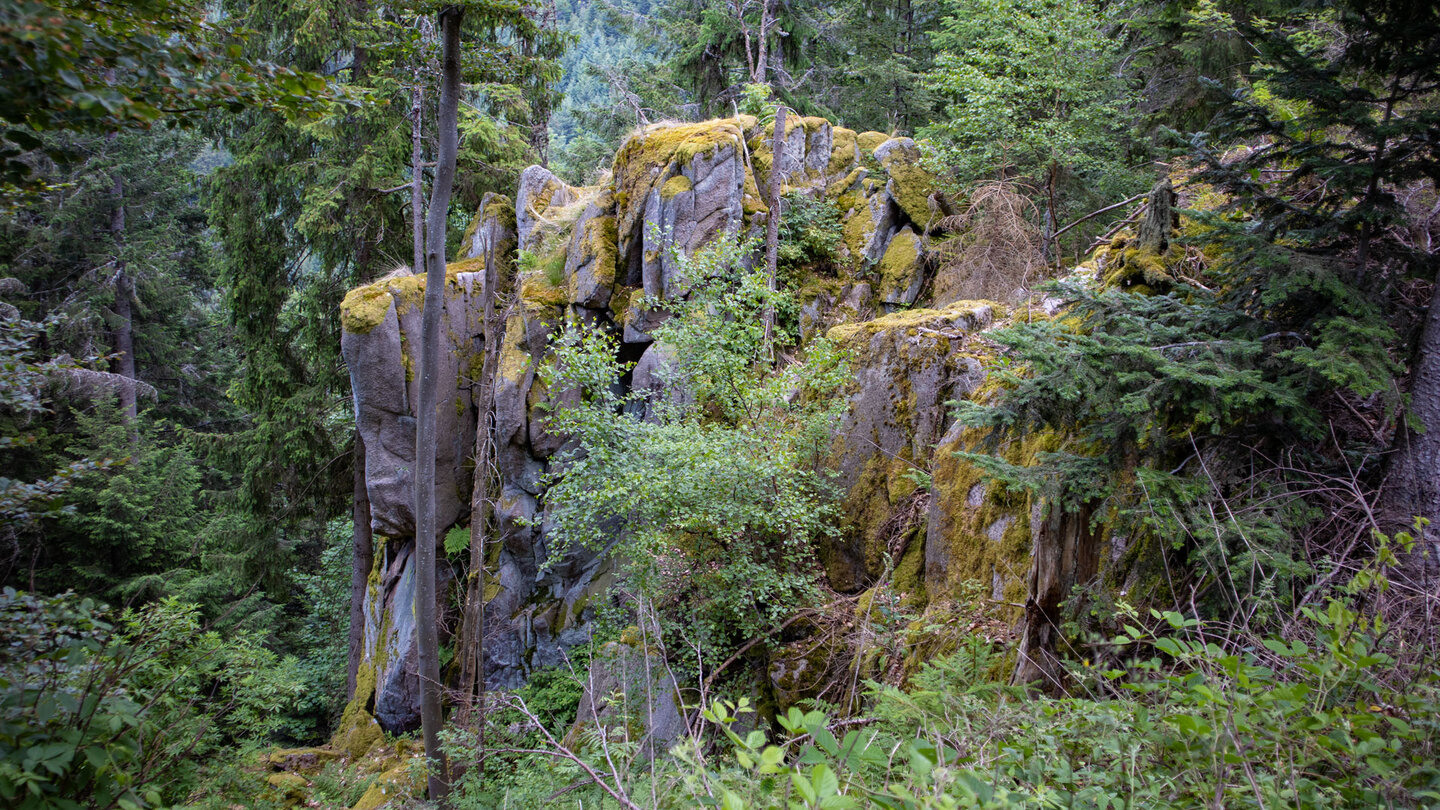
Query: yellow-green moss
[599,244]
[844,152]
[514,360]
[537,291]
[845,192]
[620,300]
[1137,270]
[868,141]
[857,231]
[752,202]
[678,184]
[500,209]
[302,759]
[969,513]
[658,146]
[397,785]
[358,732]
[913,184]
[290,787]
[897,266]
[812,123]
[909,575]
[364,307]
[908,322]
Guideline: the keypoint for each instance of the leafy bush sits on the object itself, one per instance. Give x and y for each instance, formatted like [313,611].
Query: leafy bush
[101,712]
[810,233]
[1192,723]
[713,487]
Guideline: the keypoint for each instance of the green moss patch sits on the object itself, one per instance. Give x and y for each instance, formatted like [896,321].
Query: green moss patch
[678,184]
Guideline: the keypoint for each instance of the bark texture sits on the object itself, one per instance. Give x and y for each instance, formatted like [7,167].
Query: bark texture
[1412,488]
[427,641]
[362,558]
[1066,554]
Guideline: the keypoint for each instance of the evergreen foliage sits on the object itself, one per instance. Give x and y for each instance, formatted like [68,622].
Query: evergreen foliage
[1041,98]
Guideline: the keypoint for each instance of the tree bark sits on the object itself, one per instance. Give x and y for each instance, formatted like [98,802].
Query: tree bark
[124,314]
[483,494]
[417,175]
[362,559]
[762,56]
[1066,554]
[426,533]
[772,226]
[1412,487]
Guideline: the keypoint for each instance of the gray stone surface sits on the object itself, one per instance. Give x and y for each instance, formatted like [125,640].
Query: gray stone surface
[628,687]
[380,361]
[540,190]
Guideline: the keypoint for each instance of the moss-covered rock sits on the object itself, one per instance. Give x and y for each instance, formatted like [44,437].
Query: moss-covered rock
[396,787]
[911,185]
[592,260]
[907,367]
[304,760]
[901,270]
[540,193]
[358,731]
[869,141]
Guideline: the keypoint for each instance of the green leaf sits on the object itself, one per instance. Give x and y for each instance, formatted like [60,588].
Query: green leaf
[457,540]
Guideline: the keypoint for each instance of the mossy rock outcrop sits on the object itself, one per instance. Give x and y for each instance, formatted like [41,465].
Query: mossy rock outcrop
[907,367]
[602,255]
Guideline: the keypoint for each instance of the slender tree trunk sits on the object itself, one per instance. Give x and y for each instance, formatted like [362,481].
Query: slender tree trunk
[362,559]
[1052,217]
[417,175]
[124,313]
[483,495]
[1412,488]
[772,226]
[426,533]
[762,57]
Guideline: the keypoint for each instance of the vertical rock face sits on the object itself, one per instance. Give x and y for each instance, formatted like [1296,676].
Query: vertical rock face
[380,344]
[593,255]
[908,366]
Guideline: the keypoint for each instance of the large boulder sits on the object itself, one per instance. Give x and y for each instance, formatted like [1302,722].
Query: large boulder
[908,366]
[678,184]
[630,691]
[591,261]
[380,343]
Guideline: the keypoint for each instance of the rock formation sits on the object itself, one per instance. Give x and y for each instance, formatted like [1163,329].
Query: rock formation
[595,254]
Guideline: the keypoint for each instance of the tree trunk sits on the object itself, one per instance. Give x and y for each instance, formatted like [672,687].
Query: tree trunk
[762,58]
[1052,217]
[124,315]
[417,176]
[1412,487]
[772,226]
[362,559]
[426,533]
[483,495]
[1159,222]
[1066,554]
